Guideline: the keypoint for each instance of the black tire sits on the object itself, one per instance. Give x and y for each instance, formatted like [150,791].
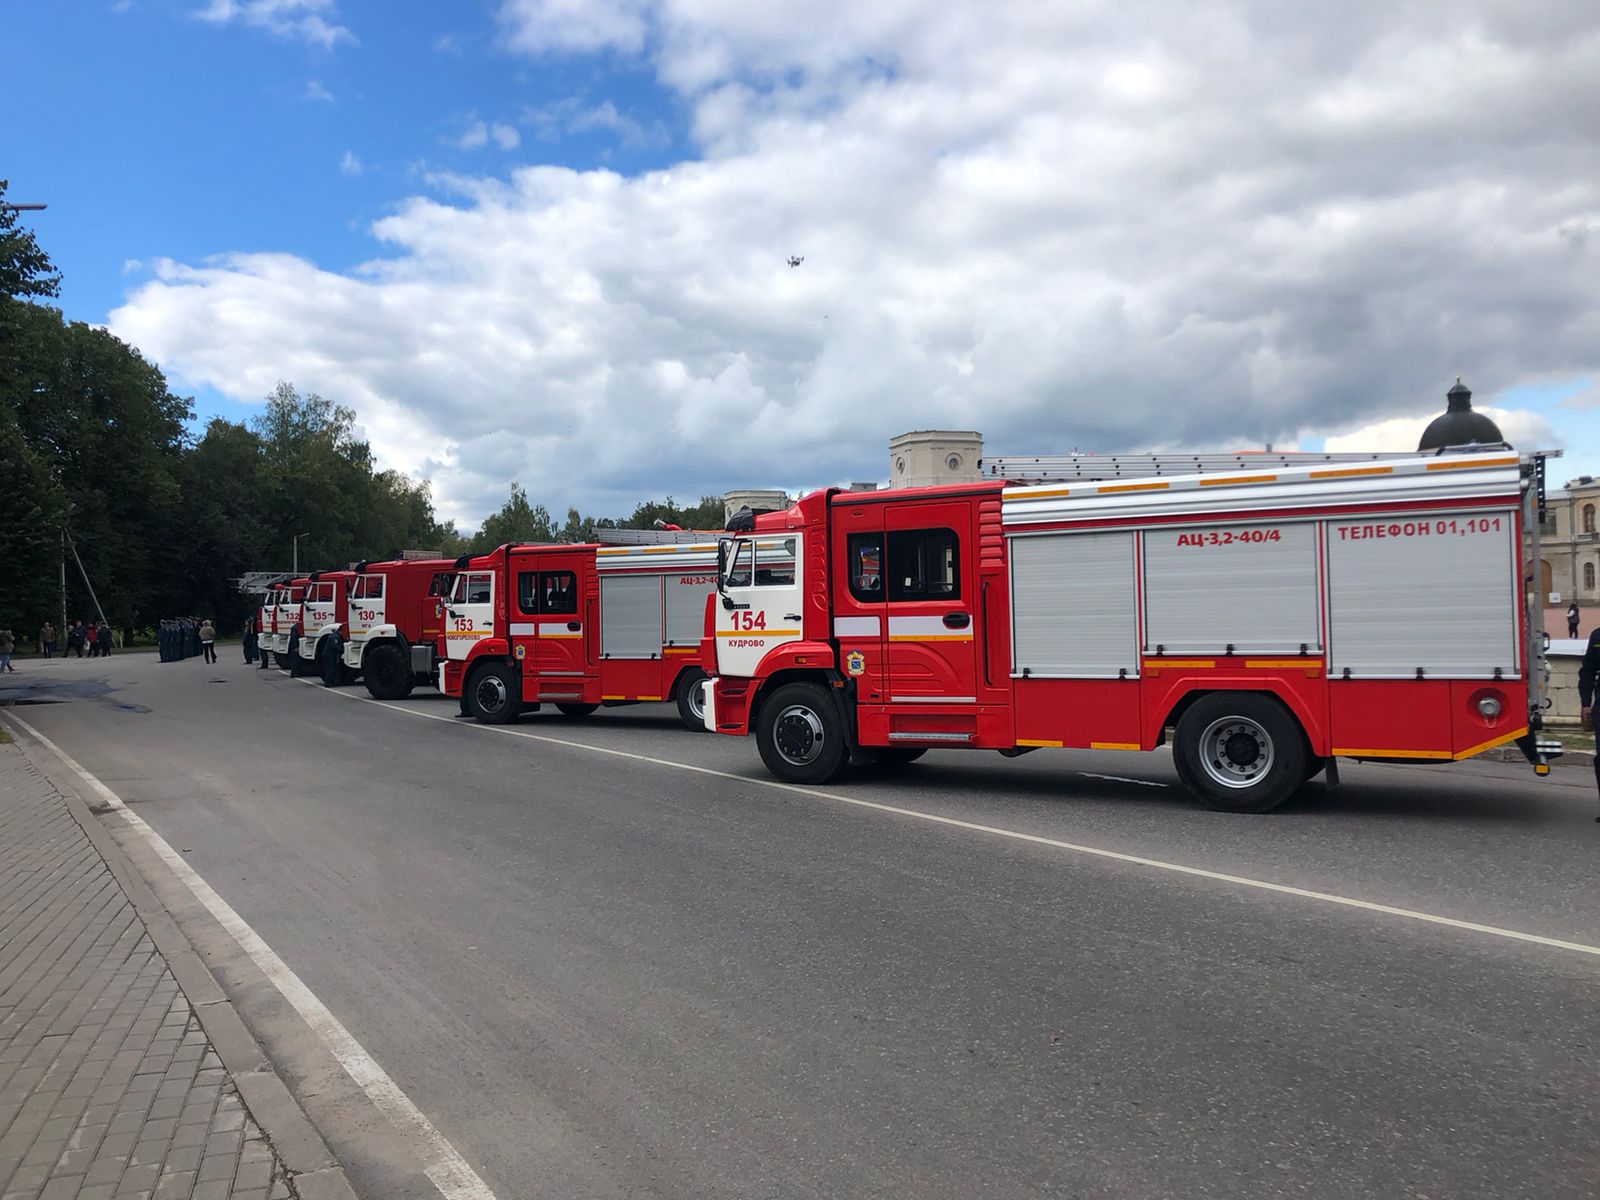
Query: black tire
[1240,752]
[577,711]
[386,672]
[494,694]
[801,735]
[691,701]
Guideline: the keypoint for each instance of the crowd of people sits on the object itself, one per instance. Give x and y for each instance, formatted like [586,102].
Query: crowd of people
[94,637]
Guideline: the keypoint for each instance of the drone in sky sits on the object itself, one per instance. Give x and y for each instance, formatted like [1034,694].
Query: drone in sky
[796,261]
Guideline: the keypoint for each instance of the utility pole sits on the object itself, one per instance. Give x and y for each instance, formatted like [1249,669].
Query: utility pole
[295,551]
[62,636]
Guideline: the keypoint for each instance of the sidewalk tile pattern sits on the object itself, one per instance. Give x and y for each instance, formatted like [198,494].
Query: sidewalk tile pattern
[109,1089]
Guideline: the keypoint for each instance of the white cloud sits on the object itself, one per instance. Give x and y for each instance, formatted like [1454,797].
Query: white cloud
[552,121]
[1522,428]
[313,21]
[316,92]
[478,134]
[540,26]
[1113,226]
[350,164]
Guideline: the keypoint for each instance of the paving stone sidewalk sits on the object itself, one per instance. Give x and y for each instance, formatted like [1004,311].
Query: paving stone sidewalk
[109,1089]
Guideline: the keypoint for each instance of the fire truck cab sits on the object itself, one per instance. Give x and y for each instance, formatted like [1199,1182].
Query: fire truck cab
[578,626]
[324,612]
[396,616]
[281,635]
[1271,620]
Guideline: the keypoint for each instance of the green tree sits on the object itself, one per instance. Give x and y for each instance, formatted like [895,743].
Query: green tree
[30,539]
[103,423]
[515,521]
[224,479]
[705,515]
[25,269]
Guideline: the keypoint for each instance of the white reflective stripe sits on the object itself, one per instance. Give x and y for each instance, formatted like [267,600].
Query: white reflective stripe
[933,699]
[559,629]
[857,626]
[924,627]
[522,628]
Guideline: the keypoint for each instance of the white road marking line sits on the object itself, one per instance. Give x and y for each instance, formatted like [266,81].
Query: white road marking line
[1016,835]
[441,1162]
[1122,779]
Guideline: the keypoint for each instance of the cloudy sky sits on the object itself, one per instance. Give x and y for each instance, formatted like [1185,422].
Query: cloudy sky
[546,240]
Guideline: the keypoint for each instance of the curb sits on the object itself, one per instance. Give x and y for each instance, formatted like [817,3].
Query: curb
[314,1174]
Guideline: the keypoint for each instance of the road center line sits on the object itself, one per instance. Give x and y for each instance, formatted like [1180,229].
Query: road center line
[1015,835]
[449,1172]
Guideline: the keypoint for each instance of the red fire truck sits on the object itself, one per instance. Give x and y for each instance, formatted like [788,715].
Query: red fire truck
[396,616]
[324,611]
[281,620]
[1272,619]
[578,627]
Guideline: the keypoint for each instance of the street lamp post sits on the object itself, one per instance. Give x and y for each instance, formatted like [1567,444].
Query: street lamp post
[296,551]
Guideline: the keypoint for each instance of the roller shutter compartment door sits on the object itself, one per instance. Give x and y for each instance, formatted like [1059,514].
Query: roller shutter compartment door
[1435,593]
[1074,606]
[630,616]
[686,609]
[1252,587]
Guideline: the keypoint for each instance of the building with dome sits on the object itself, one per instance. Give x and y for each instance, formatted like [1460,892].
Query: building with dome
[1459,425]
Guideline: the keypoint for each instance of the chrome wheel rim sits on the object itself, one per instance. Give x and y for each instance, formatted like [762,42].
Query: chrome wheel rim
[491,694]
[1236,752]
[697,701]
[798,735]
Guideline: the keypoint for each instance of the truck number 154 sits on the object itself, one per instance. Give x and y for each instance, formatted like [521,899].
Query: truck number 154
[745,619]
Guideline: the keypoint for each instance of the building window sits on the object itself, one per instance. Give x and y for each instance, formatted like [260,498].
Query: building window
[1588,577]
[1588,518]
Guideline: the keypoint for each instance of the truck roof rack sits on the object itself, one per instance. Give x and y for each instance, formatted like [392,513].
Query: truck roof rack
[256,582]
[1086,468]
[652,537]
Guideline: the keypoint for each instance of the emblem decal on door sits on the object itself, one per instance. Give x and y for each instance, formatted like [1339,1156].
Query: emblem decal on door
[521,652]
[855,663]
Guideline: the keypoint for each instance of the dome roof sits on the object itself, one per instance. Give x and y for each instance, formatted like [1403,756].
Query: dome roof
[1458,425]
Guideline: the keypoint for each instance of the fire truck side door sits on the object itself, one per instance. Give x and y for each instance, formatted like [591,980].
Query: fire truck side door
[858,598]
[366,604]
[432,616]
[551,597]
[469,615]
[930,585]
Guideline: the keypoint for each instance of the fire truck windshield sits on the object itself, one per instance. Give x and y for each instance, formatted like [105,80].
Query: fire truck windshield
[736,570]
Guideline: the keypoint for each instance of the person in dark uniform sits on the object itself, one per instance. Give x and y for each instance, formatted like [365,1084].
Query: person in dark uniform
[331,652]
[1588,672]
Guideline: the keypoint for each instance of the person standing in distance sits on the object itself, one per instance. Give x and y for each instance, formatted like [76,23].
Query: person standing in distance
[1588,672]
[1572,619]
[208,641]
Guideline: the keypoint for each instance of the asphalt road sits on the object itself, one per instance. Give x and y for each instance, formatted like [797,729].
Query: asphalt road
[604,975]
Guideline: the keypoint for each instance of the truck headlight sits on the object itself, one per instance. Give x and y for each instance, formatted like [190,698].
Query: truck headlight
[1489,707]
